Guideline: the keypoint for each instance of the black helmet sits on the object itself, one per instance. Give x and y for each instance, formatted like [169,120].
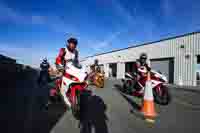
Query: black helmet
[96,62]
[45,60]
[72,40]
[143,56]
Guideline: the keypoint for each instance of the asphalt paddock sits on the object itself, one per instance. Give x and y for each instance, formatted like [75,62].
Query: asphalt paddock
[107,110]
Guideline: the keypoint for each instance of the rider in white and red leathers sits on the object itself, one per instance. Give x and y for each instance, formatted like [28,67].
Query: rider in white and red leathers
[142,62]
[66,54]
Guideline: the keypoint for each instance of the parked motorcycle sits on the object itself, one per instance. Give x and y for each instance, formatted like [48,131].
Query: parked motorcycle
[74,82]
[99,80]
[136,87]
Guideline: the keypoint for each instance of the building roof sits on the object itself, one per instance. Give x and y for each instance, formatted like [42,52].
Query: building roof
[147,43]
[2,57]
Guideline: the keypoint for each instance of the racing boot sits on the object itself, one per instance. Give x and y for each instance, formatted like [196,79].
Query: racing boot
[66,101]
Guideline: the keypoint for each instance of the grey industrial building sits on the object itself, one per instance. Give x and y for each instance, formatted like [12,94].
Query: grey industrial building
[177,57]
[5,59]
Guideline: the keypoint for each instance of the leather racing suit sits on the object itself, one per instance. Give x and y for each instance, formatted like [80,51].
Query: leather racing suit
[63,57]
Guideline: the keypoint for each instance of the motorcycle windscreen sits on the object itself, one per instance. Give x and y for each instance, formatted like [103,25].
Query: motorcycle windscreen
[157,74]
[79,73]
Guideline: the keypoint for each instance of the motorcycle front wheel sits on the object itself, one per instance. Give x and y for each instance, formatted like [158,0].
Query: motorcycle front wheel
[76,106]
[162,96]
[128,86]
[100,82]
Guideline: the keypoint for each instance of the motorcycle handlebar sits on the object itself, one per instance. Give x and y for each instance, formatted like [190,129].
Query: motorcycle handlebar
[75,64]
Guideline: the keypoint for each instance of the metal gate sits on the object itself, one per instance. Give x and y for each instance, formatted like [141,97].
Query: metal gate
[130,67]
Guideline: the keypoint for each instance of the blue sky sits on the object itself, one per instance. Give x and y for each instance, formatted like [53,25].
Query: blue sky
[34,29]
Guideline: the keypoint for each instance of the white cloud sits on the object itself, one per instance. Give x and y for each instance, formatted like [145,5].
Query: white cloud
[54,23]
[11,50]
[37,19]
[9,14]
[98,46]
[123,12]
[30,56]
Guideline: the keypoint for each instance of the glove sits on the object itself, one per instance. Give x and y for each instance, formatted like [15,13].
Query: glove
[60,67]
[69,60]
[135,74]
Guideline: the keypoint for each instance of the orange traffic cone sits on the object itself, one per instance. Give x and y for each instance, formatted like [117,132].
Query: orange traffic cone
[148,108]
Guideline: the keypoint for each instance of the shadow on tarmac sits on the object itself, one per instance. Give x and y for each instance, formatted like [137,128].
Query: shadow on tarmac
[119,88]
[129,100]
[93,114]
[41,119]
[135,108]
[37,118]
[23,107]
[16,95]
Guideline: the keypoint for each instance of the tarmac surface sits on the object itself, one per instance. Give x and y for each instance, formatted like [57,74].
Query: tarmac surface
[108,110]
[122,114]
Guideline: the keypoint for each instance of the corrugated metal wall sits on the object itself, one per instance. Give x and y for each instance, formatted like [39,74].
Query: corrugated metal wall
[184,68]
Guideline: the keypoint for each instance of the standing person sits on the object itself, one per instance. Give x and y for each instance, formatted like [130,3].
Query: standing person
[70,53]
[43,80]
[44,75]
[98,69]
[92,73]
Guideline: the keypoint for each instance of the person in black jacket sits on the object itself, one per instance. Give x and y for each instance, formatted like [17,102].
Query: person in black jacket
[44,74]
[44,65]
[43,80]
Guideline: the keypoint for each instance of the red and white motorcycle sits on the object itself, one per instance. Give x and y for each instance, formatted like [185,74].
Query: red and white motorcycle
[74,82]
[136,87]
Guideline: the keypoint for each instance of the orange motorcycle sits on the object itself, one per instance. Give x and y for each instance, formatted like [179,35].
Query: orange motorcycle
[99,80]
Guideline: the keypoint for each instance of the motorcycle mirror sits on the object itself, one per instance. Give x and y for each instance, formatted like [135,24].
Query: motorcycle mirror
[159,72]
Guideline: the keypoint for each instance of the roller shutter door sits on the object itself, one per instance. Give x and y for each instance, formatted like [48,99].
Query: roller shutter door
[165,66]
[113,70]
